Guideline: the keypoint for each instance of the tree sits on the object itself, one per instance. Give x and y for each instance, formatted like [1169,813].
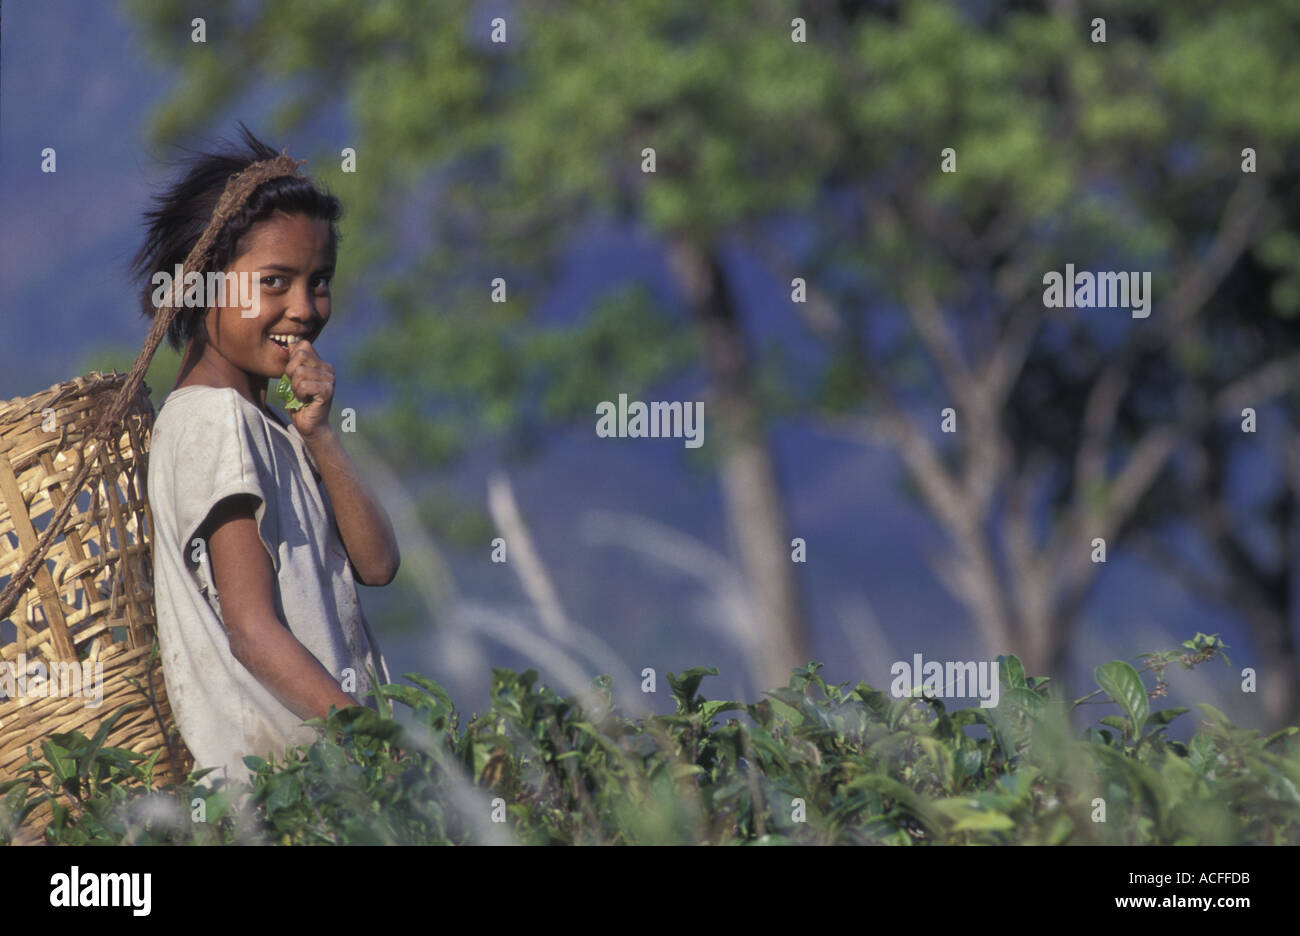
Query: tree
[1123,155]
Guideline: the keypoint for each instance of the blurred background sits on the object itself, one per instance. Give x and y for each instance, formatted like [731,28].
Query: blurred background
[798,259]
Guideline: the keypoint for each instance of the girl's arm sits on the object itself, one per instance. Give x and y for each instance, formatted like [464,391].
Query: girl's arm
[259,639]
[364,526]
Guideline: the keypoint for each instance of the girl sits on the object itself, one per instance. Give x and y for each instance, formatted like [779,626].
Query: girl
[262,527]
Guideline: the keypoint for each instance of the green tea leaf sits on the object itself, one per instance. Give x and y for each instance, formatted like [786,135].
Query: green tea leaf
[1027,699]
[1012,671]
[1123,684]
[284,391]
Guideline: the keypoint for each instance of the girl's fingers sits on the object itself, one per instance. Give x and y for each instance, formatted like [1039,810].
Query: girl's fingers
[319,370]
[314,389]
[301,357]
[310,377]
[312,364]
[311,374]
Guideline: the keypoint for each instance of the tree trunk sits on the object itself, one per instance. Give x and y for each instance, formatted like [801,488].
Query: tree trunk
[755,514]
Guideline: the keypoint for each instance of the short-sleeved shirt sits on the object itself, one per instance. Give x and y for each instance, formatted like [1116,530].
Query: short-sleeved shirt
[210,443]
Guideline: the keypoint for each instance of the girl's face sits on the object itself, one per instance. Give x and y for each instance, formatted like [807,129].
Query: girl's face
[291,254]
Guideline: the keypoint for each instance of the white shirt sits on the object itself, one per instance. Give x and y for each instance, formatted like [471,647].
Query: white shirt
[209,443]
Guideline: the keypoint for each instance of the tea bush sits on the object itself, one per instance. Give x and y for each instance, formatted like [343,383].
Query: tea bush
[812,763]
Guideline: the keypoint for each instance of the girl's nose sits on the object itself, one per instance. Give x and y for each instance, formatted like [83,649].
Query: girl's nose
[302,308]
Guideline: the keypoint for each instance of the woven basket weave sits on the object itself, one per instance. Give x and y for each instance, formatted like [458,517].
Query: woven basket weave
[91,599]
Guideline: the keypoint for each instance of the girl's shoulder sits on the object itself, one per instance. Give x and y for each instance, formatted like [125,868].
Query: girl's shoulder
[199,405]
[193,397]
[191,390]
[214,432]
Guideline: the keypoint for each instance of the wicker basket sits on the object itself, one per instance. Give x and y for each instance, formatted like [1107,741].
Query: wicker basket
[91,599]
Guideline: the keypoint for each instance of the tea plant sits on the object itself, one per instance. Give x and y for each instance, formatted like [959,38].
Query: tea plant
[813,763]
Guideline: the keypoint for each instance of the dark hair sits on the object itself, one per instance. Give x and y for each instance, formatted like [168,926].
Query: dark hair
[182,211]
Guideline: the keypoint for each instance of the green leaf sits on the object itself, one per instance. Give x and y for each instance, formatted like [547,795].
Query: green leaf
[686,770]
[787,712]
[1122,683]
[1012,671]
[907,797]
[100,736]
[59,760]
[433,688]
[1017,785]
[941,756]
[971,815]
[408,695]
[1030,701]
[284,792]
[284,390]
[685,686]
[1163,717]
[710,709]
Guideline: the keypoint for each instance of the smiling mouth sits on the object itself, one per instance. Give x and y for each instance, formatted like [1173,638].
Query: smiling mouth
[285,341]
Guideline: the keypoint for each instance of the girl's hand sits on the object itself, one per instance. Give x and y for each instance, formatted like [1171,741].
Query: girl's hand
[312,381]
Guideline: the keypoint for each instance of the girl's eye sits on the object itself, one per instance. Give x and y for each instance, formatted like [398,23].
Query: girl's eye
[322,282]
[272,280]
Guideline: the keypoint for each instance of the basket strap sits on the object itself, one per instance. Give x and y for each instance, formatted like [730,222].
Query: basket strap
[239,188]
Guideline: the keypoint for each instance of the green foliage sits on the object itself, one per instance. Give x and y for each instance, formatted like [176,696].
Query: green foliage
[812,763]
[475,367]
[1123,684]
[284,390]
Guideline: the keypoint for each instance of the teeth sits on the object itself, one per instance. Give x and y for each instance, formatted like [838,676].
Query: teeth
[285,340]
